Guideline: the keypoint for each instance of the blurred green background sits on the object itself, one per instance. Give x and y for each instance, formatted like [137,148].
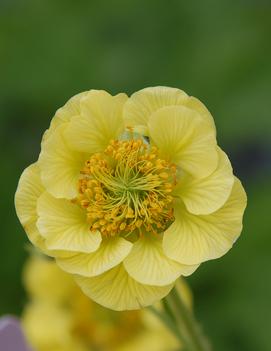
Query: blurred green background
[218,51]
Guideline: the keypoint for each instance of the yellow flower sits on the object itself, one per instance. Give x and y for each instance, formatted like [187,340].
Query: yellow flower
[60,317]
[128,194]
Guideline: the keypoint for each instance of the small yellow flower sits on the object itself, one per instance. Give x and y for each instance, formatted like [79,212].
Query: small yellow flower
[60,317]
[128,194]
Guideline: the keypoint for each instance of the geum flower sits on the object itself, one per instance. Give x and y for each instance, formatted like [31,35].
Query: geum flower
[128,194]
[59,317]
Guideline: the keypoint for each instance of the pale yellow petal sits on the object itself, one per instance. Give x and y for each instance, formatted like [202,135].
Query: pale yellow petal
[64,225]
[44,280]
[196,105]
[35,236]
[111,252]
[64,114]
[28,191]
[206,195]
[185,139]
[153,339]
[100,121]
[140,106]
[70,109]
[46,326]
[60,165]
[148,264]
[116,290]
[193,239]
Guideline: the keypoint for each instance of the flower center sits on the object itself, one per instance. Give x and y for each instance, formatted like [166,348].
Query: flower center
[127,189]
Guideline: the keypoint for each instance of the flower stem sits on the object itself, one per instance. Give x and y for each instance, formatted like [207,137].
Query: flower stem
[180,320]
[169,323]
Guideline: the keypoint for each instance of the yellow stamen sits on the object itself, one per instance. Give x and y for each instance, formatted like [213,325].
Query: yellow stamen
[127,188]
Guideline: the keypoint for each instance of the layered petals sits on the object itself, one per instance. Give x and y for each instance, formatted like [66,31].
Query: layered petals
[100,121]
[148,264]
[70,109]
[194,239]
[28,191]
[60,165]
[129,194]
[185,139]
[64,225]
[143,103]
[115,289]
[196,105]
[206,195]
[64,114]
[110,253]
[43,279]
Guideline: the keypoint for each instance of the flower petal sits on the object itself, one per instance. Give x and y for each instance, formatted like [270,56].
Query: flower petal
[28,191]
[111,252]
[115,289]
[70,109]
[206,195]
[140,106]
[100,121]
[196,105]
[64,114]
[64,225]
[47,326]
[157,337]
[35,237]
[194,239]
[44,280]
[184,138]
[60,166]
[148,264]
